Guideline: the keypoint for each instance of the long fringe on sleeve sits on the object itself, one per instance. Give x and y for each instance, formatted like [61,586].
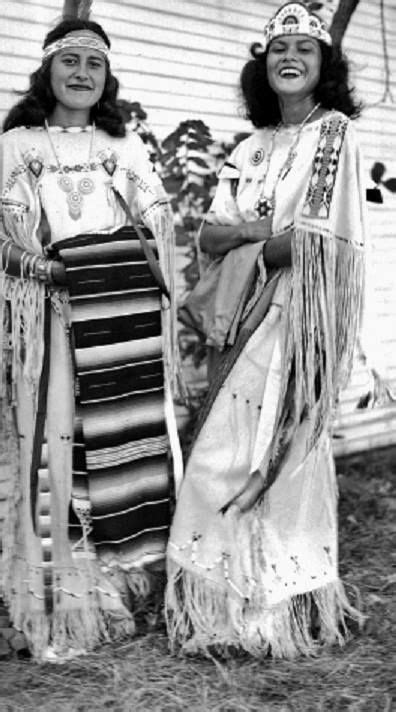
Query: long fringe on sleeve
[21,344]
[321,325]
[160,219]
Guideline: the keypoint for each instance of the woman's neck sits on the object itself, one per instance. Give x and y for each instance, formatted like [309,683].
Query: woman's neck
[61,116]
[294,111]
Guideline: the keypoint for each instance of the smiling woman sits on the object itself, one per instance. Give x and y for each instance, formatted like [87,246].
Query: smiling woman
[89,357]
[252,557]
[77,79]
[40,101]
[293,67]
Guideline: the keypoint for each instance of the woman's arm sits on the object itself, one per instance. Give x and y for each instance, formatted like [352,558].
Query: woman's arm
[277,251]
[16,262]
[220,239]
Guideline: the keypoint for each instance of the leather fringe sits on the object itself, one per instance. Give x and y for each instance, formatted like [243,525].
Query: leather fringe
[205,619]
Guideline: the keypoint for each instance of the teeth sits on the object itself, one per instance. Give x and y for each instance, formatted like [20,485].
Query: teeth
[289,73]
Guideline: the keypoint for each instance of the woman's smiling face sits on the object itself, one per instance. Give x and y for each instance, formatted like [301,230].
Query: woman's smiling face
[293,65]
[78,78]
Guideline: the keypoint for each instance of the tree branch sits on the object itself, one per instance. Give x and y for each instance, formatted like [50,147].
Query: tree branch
[342,18]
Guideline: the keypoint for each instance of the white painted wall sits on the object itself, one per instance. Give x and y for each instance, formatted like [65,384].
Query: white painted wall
[181,59]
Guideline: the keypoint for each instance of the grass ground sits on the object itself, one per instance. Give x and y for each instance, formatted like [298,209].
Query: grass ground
[141,676]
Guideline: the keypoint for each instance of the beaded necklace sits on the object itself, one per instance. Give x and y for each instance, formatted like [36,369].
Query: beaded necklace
[265,205]
[74,191]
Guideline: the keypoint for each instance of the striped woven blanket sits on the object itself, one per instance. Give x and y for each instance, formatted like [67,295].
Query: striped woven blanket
[120,451]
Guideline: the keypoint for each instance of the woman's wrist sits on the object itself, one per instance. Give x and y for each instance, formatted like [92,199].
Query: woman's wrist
[239,235]
[277,251]
[245,232]
[58,273]
[43,271]
[19,263]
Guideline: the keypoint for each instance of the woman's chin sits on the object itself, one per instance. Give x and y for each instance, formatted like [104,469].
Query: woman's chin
[291,88]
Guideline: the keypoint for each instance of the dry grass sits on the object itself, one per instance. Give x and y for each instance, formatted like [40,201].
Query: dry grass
[141,675]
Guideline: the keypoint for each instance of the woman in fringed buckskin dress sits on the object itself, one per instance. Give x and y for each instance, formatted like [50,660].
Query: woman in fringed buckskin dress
[252,555]
[89,355]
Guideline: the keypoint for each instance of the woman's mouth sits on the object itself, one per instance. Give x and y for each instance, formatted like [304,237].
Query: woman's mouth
[289,73]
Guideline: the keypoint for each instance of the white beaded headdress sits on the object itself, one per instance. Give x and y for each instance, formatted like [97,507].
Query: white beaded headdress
[302,18]
[78,39]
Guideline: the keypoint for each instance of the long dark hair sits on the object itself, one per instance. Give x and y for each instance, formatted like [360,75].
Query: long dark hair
[39,100]
[332,91]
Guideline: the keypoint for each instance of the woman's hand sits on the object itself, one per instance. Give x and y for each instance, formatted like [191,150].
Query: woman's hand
[220,239]
[278,252]
[257,230]
[58,273]
[248,495]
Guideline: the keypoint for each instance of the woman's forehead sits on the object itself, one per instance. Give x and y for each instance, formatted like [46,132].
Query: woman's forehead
[295,39]
[81,52]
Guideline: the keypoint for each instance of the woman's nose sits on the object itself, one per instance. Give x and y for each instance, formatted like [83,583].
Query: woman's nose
[82,71]
[290,54]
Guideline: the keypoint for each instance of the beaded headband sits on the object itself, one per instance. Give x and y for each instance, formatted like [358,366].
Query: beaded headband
[294,18]
[77,39]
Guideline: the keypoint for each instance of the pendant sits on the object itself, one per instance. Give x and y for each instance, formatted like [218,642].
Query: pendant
[86,185]
[289,162]
[74,190]
[264,207]
[65,183]
[74,200]
[257,157]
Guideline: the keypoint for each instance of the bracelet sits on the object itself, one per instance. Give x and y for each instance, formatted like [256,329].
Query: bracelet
[48,266]
[24,263]
[41,270]
[32,266]
[5,263]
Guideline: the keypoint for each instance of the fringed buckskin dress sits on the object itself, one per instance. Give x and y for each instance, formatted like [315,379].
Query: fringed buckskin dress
[267,580]
[88,524]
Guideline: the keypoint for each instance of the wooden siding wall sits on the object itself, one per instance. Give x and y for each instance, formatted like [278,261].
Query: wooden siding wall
[362,430]
[181,59]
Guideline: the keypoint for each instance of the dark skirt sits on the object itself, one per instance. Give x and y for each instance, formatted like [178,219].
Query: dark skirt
[120,453]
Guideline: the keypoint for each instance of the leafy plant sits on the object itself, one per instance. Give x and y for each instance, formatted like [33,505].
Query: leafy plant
[188,160]
[189,176]
[135,118]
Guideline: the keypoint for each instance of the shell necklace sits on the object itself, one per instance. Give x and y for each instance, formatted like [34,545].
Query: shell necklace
[265,205]
[74,190]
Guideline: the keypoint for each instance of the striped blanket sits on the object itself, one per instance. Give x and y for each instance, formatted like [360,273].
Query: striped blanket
[120,454]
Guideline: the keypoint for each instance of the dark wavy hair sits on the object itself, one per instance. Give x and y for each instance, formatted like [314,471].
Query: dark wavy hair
[39,101]
[332,91]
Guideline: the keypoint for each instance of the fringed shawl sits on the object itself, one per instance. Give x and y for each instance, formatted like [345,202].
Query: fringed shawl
[323,302]
[28,183]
